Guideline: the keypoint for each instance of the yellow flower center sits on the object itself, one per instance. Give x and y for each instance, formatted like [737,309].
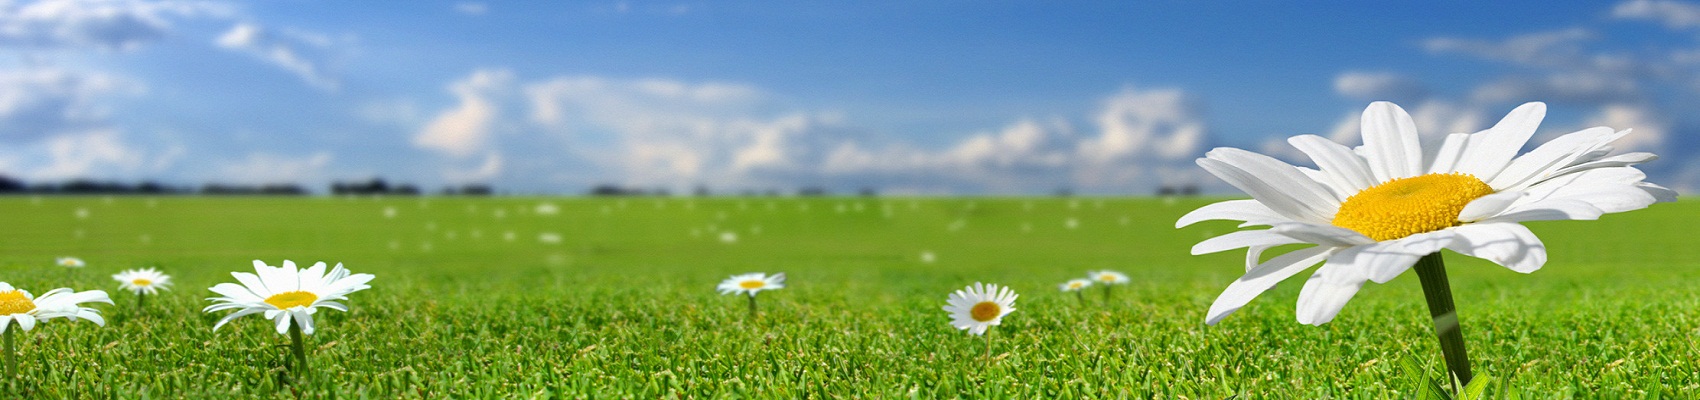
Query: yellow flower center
[141,282]
[1408,206]
[285,300]
[14,302]
[1075,285]
[752,284]
[985,311]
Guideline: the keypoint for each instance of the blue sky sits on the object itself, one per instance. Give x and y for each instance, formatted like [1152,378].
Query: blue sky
[943,97]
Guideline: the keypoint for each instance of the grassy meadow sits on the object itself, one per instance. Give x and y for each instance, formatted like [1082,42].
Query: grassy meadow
[614,298]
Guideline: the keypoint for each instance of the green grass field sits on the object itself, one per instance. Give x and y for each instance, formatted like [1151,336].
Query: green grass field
[624,304]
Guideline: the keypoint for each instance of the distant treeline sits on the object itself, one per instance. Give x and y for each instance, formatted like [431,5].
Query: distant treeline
[376,186]
[608,189]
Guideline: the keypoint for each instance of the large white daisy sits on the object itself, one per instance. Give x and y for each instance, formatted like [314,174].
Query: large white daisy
[1372,211]
[980,306]
[286,293]
[142,281]
[17,305]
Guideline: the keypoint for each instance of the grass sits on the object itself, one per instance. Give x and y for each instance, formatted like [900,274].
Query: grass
[624,305]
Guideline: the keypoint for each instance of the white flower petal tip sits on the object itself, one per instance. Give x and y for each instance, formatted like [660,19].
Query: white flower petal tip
[286,295]
[1373,211]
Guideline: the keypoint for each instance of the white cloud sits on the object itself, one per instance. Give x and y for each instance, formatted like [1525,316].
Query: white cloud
[1550,48]
[472,8]
[1372,86]
[1673,14]
[297,52]
[489,168]
[466,129]
[111,25]
[1649,126]
[38,102]
[1574,87]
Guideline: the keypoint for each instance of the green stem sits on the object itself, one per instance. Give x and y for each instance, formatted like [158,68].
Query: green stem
[988,336]
[1080,294]
[1106,295]
[752,305]
[139,300]
[11,355]
[300,350]
[1431,269]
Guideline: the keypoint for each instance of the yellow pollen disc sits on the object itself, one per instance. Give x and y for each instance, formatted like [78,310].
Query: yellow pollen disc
[1075,285]
[752,284]
[14,302]
[985,311]
[1408,206]
[141,282]
[285,300]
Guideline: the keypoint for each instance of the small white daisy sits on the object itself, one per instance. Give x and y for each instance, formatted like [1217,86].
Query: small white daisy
[927,257]
[286,293]
[70,262]
[979,307]
[751,283]
[1075,285]
[142,281]
[17,305]
[728,237]
[1108,277]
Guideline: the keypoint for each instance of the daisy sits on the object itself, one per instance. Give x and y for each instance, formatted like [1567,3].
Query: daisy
[1078,286]
[18,306]
[1108,278]
[287,296]
[70,262]
[978,307]
[750,284]
[1372,212]
[142,281]
[146,281]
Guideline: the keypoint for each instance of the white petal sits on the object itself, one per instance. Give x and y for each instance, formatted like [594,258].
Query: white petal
[1325,294]
[305,319]
[1343,166]
[1542,162]
[236,292]
[234,315]
[1250,211]
[1508,244]
[1621,160]
[1451,150]
[282,321]
[1549,210]
[25,322]
[1491,150]
[1381,262]
[1328,235]
[1489,206]
[254,283]
[1278,185]
[1235,240]
[1260,279]
[1390,138]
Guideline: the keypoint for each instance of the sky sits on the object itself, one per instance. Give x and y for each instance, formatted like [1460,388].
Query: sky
[905,97]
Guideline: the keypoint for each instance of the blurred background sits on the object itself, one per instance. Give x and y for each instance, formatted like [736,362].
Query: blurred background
[730,97]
